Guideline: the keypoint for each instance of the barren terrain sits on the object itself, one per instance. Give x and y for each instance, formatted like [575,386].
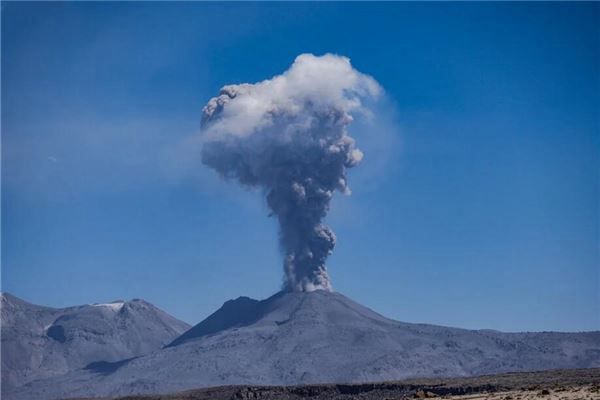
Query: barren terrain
[576,384]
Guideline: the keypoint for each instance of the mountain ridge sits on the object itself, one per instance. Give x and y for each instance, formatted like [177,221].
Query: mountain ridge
[40,342]
[319,337]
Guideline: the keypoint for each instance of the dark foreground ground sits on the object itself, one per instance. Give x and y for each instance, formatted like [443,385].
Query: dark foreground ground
[577,384]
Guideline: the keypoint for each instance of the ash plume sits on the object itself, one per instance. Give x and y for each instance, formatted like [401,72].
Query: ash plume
[288,136]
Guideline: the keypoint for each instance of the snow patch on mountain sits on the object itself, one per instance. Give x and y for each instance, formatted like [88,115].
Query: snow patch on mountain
[115,305]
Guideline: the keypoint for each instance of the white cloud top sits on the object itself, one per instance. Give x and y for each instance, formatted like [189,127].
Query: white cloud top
[325,82]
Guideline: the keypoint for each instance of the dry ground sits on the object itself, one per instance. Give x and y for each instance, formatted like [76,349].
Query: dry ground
[577,384]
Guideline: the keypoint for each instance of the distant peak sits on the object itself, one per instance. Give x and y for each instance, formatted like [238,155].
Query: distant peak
[10,297]
[14,300]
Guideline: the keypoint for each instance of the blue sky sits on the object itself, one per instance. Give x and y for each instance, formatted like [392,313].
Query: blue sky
[477,203]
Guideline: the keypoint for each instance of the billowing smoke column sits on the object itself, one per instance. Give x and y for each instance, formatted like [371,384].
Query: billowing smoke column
[288,136]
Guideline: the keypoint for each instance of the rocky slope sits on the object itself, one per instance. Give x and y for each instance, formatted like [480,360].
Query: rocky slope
[318,337]
[40,342]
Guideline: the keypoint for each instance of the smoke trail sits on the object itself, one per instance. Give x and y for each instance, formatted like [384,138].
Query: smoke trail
[288,136]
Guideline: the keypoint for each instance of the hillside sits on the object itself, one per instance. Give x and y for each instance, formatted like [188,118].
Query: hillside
[319,337]
[40,342]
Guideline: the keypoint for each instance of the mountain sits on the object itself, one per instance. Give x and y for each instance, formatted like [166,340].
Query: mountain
[317,337]
[40,342]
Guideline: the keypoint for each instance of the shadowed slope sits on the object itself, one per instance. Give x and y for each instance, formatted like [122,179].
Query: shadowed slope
[236,313]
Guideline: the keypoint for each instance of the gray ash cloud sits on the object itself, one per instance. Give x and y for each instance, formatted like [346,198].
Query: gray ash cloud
[288,136]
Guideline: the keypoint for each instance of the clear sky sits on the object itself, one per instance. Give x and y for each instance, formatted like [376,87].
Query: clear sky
[476,205]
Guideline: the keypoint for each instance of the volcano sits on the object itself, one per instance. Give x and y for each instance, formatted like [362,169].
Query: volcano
[317,337]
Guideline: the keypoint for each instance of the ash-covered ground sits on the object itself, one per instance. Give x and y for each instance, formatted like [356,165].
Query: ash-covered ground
[576,384]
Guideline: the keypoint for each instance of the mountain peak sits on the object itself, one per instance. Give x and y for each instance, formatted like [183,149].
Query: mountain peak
[69,338]
[233,313]
[8,298]
[279,309]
